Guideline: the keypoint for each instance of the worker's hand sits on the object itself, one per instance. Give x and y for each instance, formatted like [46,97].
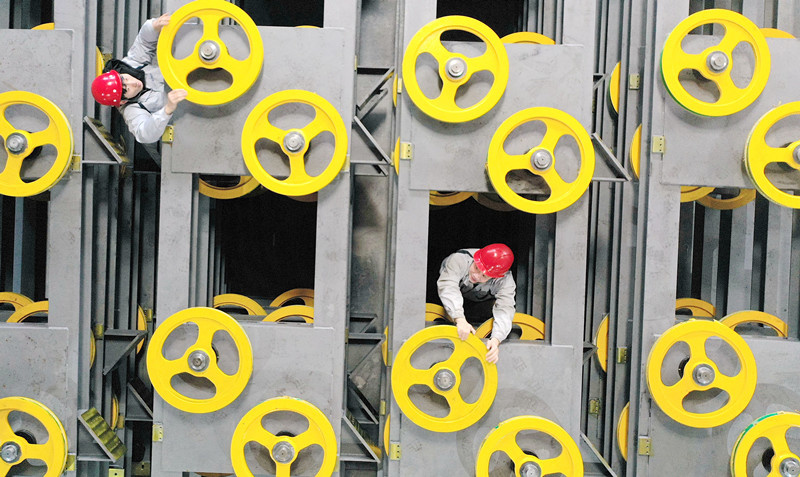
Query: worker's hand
[161,22]
[173,98]
[464,328]
[493,345]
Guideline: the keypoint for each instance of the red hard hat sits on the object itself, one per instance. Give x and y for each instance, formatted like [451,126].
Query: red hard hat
[107,89]
[494,260]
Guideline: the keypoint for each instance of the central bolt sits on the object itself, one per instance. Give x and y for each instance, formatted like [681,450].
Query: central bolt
[444,379]
[16,143]
[456,68]
[542,159]
[209,51]
[703,374]
[717,61]
[790,467]
[283,452]
[10,452]
[294,141]
[530,469]
[198,361]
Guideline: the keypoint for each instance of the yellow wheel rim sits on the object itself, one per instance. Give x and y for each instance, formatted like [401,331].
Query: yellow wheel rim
[699,308]
[386,434]
[636,150]
[306,295]
[690,193]
[294,142]
[114,411]
[773,427]
[53,452]
[601,341]
[199,360]
[444,199]
[752,316]
[503,438]
[245,186]
[428,40]
[284,312]
[701,373]
[744,197]
[532,328]
[528,37]
[57,133]
[396,157]
[775,33]
[385,346]
[613,88]
[461,414]
[284,449]
[759,155]
[232,299]
[622,431]
[15,299]
[434,312]
[141,325]
[562,194]
[92,349]
[715,63]
[27,311]
[243,72]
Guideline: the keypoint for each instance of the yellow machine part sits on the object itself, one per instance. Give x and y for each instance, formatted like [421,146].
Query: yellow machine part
[752,316]
[15,299]
[455,69]
[503,438]
[744,197]
[444,199]
[715,63]
[22,314]
[775,33]
[92,349]
[541,160]
[141,325]
[435,312]
[601,342]
[448,374]
[622,431]
[385,346]
[699,308]
[613,88]
[210,52]
[532,328]
[386,434]
[528,37]
[774,428]
[691,193]
[199,360]
[284,449]
[20,144]
[114,411]
[294,142]
[246,185]
[54,450]
[306,295]
[232,299]
[701,373]
[301,311]
[636,150]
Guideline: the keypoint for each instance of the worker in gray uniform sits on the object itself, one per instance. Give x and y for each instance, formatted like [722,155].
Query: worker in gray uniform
[475,285]
[136,87]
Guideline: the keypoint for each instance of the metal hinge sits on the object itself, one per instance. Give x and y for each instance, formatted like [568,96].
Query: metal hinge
[658,144]
[645,445]
[406,150]
[148,315]
[383,407]
[158,432]
[75,163]
[71,459]
[399,85]
[394,451]
[169,135]
[633,81]
[116,472]
[622,354]
[594,407]
[99,331]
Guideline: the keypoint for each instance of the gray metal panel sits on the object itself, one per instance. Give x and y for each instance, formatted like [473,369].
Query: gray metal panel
[740,272]
[208,138]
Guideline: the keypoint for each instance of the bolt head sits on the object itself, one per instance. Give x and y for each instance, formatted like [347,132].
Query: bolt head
[283,452]
[717,61]
[198,361]
[209,51]
[530,469]
[703,374]
[456,68]
[541,159]
[790,467]
[16,143]
[444,379]
[294,141]
[10,452]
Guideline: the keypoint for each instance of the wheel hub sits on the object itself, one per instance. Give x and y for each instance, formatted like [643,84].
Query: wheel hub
[530,469]
[717,61]
[10,452]
[283,452]
[198,361]
[209,51]
[294,141]
[456,68]
[796,155]
[790,467]
[541,159]
[16,143]
[444,379]
[703,374]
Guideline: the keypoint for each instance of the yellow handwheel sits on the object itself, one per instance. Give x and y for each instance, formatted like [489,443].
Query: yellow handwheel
[715,63]
[613,88]
[435,312]
[283,449]
[699,308]
[22,314]
[455,69]
[528,37]
[245,186]
[210,52]
[752,316]
[199,360]
[444,379]
[15,449]
[306,295]
[294,142]
[396,157]
[503,438]
[622,431]
[284,312]
[232,299]
[759,155]
[21,144]
[16,300]
[531,328]
[701,373]
[444,199]
[690,193]
[744,197]
[601,342]
[541,160]
[774,428]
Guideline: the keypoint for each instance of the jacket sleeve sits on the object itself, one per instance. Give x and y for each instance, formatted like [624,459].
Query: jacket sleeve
[505,306]
[143,50]
[450,274]
[145,127]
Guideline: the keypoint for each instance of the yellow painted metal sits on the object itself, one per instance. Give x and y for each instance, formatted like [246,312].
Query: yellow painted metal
[461,413]
[386,434]
[492,201]
[528,37]
[690,193]
[16,300]
[744,197]
[99,62]
[772,427]
[92,349]
[699,308]
[245,186]
[250,429]
[532,328]
[428,40]
[636,150]
[775,33]
[385,346]
[209,321]
[300,311]
[22,314]
[394,92]
[327,119]
[448,198]
[54,449]
[435,312]
[503,438]
[613,88]
[694,333]
[114,411]
[562,194]
[141,325]
[306,295]
[759,155]
[232,299]
[57,133]
[752,316]
[601,342]
[396,157]
[738,29]
[243,72]
[622,431]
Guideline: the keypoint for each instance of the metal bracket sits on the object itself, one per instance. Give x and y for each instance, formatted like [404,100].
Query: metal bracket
[645,445]
[118,344]
[621,175]
[658,144]
[75,164]
[594,407]
[148,314]
[399,85]
[113,149]
[383,407]
[169,134]
[71,459]
[368,447]
[599,456]
[406,151]
[394,451]
[137,409]
[158,432]
[634,81]
[102,434]
[622,355]
[116,472]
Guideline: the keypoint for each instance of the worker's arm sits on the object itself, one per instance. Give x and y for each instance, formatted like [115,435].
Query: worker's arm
[145,127]
[143,50]
[453,268]
[504,307]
